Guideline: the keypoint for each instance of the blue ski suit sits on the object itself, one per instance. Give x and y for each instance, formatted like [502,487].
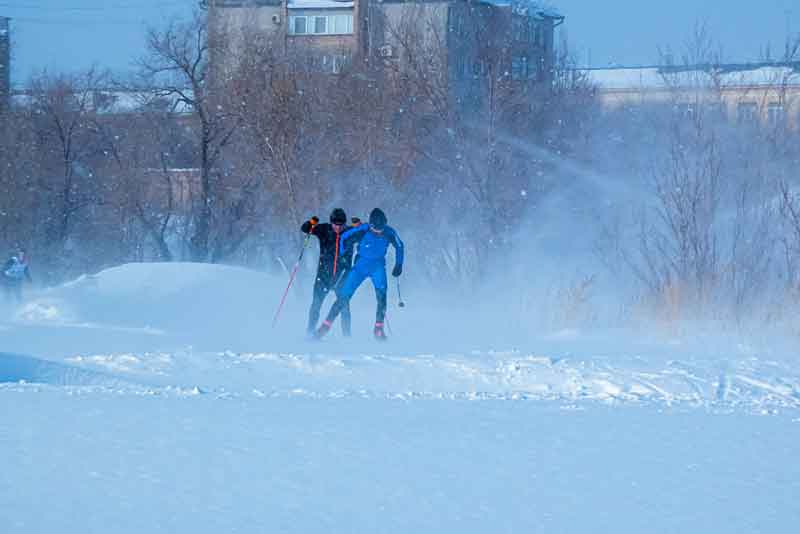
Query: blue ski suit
[370,263]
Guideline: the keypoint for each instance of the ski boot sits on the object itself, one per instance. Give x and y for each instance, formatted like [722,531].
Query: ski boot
[380,335]
[323,329]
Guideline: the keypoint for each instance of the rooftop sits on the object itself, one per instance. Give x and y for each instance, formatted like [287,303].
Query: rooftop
[528,7]
[319,4]
[119,102]
[659,77]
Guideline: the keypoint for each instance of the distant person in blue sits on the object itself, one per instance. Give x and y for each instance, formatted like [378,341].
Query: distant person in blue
[15,272]
[373,242]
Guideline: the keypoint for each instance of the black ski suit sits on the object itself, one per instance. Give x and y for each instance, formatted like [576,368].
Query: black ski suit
[332,271]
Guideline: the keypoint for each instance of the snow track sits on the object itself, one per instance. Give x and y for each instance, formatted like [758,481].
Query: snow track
[27,374]
[146,328]
[15,368]
[749,385]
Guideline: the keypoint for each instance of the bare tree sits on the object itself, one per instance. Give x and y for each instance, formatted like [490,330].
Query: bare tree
[63,113]
[790,212]
[706,237]
[177,64]
[476,107]
[18,180]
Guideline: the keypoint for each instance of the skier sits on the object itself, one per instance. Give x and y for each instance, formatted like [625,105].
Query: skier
[334,264]
[373,242]
[15,272]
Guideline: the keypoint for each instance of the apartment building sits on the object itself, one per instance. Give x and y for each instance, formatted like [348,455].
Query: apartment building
[765,93]
[522,32]
[5,63]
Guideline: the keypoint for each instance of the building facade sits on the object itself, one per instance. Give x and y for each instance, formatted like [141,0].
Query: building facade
[763,93]
[5,63]
[520,33]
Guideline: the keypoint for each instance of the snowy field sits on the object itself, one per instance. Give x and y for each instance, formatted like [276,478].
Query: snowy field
[156,398]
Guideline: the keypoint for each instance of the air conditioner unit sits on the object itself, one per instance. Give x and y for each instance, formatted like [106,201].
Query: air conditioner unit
[276,19]
[385,51]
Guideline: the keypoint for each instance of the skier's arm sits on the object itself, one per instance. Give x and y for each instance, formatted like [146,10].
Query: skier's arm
[399,253]
[308,226]
[352,236]
[7,265]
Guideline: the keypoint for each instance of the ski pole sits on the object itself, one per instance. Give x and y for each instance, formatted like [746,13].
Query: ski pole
[399,295]
[291,279]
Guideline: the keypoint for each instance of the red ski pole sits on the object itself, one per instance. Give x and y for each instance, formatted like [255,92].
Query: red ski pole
[291,278]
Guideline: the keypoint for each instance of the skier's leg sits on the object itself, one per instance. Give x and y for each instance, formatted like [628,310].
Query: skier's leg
[17,289]
[379,282]
[346,322]
[346,319]
[354,279]
[320,290]
[380,311]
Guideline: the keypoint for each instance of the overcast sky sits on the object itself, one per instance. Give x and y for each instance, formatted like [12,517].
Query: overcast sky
[70,34]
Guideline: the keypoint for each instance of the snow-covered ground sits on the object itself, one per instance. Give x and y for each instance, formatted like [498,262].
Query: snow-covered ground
[157,398]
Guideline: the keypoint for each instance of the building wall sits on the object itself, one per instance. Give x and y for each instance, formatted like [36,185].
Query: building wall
[428,18]
[336,43]
[734,101]
[375,21]
[271,19]
[5,63]
[234,21]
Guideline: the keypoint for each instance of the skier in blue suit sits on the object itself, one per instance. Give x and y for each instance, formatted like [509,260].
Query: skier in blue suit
[373,242]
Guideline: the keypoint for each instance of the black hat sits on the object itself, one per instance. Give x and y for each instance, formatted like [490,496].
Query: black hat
[338,216]
[377,218]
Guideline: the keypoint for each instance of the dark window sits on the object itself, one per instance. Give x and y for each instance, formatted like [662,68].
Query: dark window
[747,112]
[776,114]
[519,28]
[685,110]
[299,25]
[716,111]
[519,67]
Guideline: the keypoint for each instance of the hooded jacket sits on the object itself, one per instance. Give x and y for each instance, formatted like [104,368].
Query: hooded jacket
[334,262]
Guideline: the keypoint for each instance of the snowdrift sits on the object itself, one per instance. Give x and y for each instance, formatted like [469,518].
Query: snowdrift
[209,327]
[25,369]
[152,306]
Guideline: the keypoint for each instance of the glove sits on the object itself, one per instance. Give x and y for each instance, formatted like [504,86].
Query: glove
[314,221]
[397,271]
[355,221]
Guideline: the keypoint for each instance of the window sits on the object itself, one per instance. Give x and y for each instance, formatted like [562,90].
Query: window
[776,114]
[342,24]
[460,67]
[716,111]
[684,110]
[298,25]
[339,62]
[456,23]
[747,112]
[519,28]
[334,62]
[519,67]
[534,32]
[477,68]
[321,24]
